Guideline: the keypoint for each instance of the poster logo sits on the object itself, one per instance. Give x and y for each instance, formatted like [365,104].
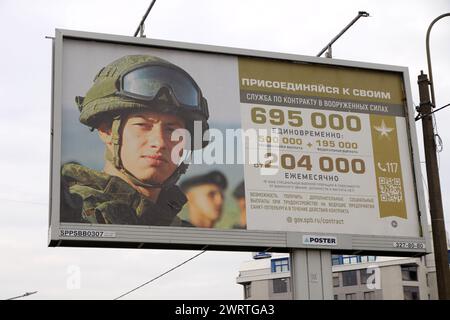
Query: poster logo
[319,240]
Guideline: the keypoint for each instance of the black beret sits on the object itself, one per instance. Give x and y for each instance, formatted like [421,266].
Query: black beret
[213,177]
[239,191]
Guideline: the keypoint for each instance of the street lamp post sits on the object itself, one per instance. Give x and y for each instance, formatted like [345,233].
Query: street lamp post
[430,71]
[140,28]
[328,46]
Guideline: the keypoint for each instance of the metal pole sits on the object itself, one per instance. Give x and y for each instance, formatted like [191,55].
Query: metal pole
[311,274]
[329,53]
[434,191]
[141,24]
[328,46]
[430,72]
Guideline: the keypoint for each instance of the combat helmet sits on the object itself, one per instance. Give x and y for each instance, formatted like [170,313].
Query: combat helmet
[144,83]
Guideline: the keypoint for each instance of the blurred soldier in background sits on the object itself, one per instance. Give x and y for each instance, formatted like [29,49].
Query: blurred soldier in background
[239,196]
[205,195]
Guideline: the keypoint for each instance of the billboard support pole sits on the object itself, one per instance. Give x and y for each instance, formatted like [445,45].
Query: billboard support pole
[311,274]
[434,190]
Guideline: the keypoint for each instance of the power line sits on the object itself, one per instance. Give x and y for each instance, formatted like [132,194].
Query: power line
[142,285]
[162,274]
[24,295]
[439,143]
[420,117]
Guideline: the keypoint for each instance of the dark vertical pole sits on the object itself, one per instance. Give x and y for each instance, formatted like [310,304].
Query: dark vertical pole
[434,191]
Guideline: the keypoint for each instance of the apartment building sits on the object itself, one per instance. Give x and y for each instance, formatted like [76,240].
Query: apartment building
[354,278]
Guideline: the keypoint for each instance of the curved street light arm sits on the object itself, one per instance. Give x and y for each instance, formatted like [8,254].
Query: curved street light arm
[328,46]
[430,72]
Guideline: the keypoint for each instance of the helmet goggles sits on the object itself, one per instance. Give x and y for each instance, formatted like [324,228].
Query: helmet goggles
[146,82]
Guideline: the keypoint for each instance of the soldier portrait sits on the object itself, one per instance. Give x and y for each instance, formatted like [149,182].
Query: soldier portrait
[135,104]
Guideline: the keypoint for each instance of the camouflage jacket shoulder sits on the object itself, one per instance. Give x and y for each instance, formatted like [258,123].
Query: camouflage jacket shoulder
[90,196]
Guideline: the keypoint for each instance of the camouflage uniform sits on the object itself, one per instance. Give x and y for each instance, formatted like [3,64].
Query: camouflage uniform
[89,196]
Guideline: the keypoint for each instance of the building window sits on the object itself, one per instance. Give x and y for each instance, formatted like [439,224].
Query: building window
[351,259]
[247,290]
[280,265]
[409,273]
[363,275]
[350,296]
[411,293]
[336,260]
[349,278]
[370,295]
[367,258]
[280,285]
[336,282]
[336,297]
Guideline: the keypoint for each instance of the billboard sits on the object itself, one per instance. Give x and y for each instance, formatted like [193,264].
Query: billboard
[161,144]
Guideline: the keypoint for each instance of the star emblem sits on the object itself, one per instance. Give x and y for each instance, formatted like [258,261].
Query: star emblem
[383,129]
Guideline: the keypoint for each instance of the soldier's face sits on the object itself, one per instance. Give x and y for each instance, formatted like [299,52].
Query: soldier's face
[146,149]
[206,200]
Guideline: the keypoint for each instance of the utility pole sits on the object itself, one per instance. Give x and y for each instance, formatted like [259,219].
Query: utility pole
[434,190]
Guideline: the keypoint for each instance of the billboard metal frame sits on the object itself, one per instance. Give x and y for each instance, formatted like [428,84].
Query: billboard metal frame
[218,239]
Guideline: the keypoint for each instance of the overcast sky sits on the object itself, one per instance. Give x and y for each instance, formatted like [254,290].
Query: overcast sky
[394,34]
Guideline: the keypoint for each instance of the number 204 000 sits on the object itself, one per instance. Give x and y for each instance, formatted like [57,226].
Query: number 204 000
[326,164]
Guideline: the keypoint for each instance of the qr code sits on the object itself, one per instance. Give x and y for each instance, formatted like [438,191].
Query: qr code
[390,189]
